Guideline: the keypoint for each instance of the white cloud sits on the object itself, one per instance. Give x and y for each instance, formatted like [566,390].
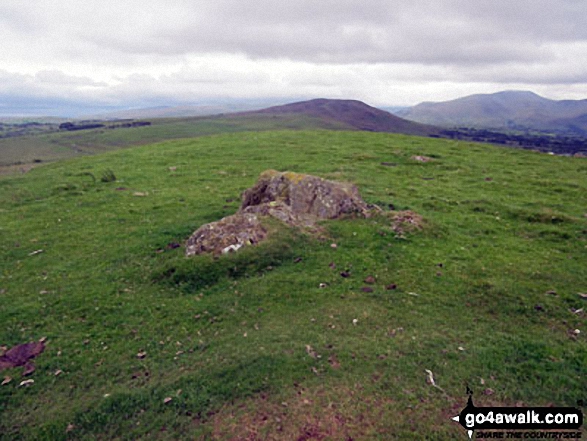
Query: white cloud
[385,52]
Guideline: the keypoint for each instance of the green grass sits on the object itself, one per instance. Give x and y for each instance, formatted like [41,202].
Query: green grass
[48,147]
[226,338]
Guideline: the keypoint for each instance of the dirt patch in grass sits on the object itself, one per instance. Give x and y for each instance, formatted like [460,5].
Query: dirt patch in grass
[341,413]
[304,415]
[20,355]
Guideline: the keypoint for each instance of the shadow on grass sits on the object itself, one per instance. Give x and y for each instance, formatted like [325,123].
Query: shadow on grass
[195,273]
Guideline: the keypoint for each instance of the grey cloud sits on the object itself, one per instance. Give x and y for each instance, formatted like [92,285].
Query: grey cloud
[48,84]
[16,18]
[57,94]
[343,31]
[453,31]
[145,50]
[206,74]
[58,78]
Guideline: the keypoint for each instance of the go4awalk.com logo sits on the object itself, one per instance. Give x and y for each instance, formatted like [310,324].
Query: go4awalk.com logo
[535,422]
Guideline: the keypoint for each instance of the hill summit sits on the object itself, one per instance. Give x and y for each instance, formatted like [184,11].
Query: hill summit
[355,114]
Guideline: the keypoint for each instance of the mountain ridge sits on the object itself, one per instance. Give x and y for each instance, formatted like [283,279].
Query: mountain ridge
[511,110]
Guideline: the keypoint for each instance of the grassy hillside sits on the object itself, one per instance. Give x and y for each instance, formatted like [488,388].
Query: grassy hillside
[48,147]
[143,343]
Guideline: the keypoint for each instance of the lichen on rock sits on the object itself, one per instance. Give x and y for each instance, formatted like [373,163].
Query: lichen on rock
[228,234]
[305,195]
[295,199]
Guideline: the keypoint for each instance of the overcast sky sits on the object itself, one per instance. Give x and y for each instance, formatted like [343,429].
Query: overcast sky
[57,53]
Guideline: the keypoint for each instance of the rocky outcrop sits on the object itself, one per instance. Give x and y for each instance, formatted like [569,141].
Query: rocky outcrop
[307,197]
[293,198]
[228,234]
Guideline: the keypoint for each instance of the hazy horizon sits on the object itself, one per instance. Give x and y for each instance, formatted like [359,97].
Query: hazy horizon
[204,108]
[83,57]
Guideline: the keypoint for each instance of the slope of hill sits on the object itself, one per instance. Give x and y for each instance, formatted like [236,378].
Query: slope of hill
[353,113]
[293,339]
[56,145]
[315,114]
[512,110]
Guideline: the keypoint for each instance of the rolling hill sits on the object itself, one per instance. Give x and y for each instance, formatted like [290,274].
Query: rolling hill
[355,114]
[55,144]
[511,110]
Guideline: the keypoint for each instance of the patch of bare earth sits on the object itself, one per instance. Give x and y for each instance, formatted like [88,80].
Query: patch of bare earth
[305,415]
[339,413]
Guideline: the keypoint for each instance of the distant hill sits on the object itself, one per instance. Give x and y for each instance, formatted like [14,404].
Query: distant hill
[356,114]
[184,111]
[37,144]
[512,110]
[161,112]
[23,120]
